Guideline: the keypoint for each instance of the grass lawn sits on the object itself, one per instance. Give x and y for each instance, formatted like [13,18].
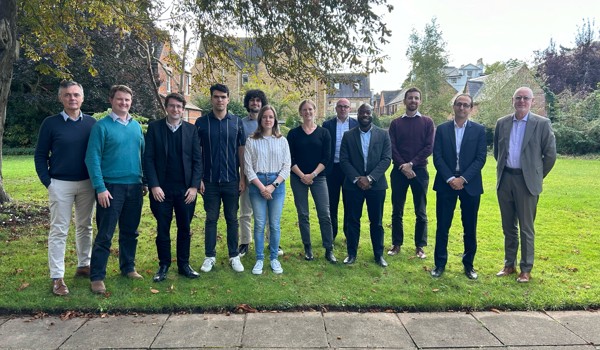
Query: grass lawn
[565,275]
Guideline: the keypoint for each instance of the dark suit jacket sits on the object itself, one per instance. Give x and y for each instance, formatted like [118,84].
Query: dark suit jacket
[378,160]
[473,153]
[155,155]
[538,152]
[331,126]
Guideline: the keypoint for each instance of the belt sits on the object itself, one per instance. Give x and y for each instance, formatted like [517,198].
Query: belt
[513,171]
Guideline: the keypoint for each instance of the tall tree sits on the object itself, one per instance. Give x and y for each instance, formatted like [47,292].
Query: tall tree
[575,69]
[9,50]
[427,55]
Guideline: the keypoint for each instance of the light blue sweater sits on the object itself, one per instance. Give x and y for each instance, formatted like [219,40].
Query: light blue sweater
[114,153]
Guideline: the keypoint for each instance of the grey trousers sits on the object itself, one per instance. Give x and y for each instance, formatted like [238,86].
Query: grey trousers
[320,195]
[517,206]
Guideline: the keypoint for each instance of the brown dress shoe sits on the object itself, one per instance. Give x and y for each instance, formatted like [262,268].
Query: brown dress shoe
[524,277]
[82,271]
[134,275]
[59,287]
[395,249]
[98,287]
[507,270]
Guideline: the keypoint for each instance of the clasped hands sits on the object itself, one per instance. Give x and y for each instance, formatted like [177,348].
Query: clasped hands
[307,179]
[407,170]
[363,183]
[457,184]
[267,192]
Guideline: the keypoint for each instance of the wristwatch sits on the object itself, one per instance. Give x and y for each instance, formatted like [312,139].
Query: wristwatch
[275,184]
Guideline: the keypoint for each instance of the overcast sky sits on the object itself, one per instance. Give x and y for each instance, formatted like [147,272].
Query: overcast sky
[495,30]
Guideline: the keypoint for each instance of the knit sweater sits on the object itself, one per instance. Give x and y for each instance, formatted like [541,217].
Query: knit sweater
[60,150]
[412,140]
[114,153]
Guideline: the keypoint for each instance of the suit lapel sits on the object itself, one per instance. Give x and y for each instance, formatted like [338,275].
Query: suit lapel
[359,148]
[529,129]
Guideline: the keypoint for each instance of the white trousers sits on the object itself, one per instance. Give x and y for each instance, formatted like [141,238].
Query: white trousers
[62,195]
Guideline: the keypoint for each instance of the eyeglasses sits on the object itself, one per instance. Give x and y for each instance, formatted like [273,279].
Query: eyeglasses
[343,106]
[523,98]
[463,105]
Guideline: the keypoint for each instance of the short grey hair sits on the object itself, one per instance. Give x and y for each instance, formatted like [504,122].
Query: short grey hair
[68,83]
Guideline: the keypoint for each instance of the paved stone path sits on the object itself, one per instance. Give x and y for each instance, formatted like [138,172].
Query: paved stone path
[570,330]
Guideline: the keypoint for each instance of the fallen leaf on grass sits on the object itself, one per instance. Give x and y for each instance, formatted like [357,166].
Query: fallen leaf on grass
[435,290]
[23,286]
[244,309]
[18,271]
[495,310]
[154,291]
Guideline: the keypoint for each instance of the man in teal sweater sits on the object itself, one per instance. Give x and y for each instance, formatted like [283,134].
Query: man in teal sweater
[114,162]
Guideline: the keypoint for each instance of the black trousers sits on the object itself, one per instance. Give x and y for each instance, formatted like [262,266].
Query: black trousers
[469,207]
[163,212]
[353,207]
[418,185]
[335,179]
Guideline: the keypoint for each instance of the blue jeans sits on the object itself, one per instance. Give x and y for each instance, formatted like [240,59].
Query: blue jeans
[261,207]
[321,197]
[125,209]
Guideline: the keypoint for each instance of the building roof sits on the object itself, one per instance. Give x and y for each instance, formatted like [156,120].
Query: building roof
[390,96]
[244,52]
[348,89]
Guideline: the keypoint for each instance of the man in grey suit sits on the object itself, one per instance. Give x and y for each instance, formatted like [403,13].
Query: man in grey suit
[365,155]
[525,149]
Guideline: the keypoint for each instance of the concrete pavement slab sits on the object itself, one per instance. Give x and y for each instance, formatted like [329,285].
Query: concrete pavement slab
[117,332]
[447,329]
[564,347]
[201,330]
[294,330]
[3,319]
[527,328]
[39,333]
[373,330]
[585,324]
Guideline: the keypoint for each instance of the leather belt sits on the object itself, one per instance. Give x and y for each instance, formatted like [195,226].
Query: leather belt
[513,171]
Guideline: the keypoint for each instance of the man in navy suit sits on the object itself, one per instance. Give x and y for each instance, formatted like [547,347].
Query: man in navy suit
[173,168]
[459,153]
[335,177]
[365,155]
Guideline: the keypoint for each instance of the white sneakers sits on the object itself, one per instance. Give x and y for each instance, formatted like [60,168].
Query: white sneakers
[258,267]
[276,267]
[236,264]
[208,264]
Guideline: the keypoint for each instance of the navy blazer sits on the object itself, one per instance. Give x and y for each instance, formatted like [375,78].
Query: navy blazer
[473,154]
[379,158]
[331,125]
[155,155]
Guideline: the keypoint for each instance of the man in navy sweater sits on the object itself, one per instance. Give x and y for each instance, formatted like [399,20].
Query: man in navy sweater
[59,163]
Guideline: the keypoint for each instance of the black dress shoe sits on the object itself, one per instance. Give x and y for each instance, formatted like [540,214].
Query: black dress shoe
[188,272]
[329,256]
[349,260]
[437,272]
[381,262]
[308,254]
[161,274]
[471,274]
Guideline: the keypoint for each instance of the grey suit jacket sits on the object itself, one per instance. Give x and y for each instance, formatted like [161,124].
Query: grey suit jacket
[538,153]
[378,159]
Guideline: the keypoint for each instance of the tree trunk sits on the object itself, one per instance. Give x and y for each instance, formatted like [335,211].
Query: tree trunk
[9,50]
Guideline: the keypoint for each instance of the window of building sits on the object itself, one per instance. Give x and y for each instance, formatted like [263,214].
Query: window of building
[469,73]
[453,80]
[336,86]
[245,79]
[168,83]
[356,86]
